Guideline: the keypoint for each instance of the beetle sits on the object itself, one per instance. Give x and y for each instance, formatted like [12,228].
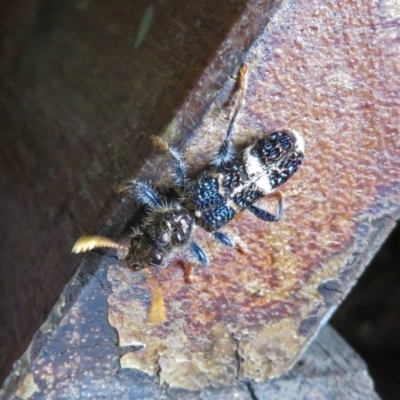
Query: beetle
[233,182]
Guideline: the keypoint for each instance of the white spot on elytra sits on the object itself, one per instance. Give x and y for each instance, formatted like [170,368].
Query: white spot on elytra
[255,169]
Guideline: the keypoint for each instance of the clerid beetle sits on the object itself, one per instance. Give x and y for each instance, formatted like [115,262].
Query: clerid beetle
[233,182]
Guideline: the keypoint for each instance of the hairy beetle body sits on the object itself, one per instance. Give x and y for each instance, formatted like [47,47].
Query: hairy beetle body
[230,185]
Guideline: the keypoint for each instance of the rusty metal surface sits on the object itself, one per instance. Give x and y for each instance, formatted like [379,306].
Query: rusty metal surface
[250,315]
[81,361]
[79,98]
[329,71]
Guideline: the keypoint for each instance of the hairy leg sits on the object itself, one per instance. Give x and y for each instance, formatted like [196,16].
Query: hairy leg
[198,254]
[145,194]
[227,151]
[223,239]
[177,157]
[265,215]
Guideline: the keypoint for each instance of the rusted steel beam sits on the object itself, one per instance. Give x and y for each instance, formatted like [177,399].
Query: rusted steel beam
[328,71]
[83,86]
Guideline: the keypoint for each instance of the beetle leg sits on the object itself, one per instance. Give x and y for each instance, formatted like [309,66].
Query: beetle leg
[223,239]
[198,254]
[177,157]
[227,150]
[146,194]
[265,215]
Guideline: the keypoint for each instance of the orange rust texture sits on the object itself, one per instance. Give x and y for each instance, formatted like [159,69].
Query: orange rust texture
[329,71]
[79,101]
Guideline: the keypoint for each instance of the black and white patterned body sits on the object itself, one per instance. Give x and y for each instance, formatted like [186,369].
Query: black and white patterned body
[231,184]
[213,199]
[222,192]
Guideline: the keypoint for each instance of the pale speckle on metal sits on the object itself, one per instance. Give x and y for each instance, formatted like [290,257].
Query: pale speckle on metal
[144,26]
